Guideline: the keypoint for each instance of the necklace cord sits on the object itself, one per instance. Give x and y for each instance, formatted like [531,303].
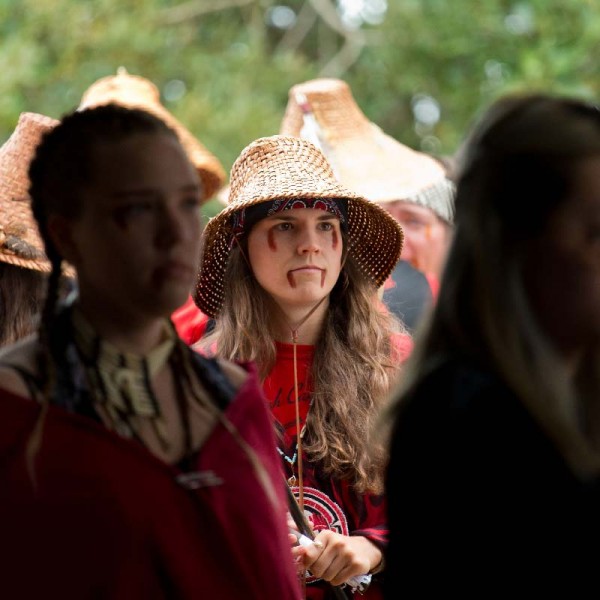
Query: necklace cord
[299,429]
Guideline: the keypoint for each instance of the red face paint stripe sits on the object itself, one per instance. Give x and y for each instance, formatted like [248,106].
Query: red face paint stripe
[334,239]
[271,240]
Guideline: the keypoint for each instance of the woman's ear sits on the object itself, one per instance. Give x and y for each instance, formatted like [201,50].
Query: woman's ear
[59,230]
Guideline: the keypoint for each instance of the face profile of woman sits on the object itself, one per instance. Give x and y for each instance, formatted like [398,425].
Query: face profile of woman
[149,232]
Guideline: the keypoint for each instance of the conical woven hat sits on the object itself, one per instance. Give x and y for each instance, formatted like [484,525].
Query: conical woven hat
[363,158]
[131,91]
[286,167]
[20,242]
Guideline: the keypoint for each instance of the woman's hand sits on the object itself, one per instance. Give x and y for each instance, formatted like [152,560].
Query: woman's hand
[336,558]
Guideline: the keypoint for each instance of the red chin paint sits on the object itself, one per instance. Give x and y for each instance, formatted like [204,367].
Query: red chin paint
[291,280]
[271,240]
[334,239]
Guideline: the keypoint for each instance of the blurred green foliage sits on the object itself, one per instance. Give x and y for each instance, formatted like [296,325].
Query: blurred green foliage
[236,67]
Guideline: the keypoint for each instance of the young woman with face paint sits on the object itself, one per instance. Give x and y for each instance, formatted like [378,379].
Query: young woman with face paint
[131,467]
[494,476]
[290,271]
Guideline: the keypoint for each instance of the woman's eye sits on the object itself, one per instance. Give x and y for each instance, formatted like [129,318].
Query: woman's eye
[326,226]
[413,224]
[283,226]
[193,202]
[127,213]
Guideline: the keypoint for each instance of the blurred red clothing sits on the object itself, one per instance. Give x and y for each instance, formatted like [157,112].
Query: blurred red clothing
[107,519]
[190,322]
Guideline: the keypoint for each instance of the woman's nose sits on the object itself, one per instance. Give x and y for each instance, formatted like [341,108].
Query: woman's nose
[308,243]
[171,228]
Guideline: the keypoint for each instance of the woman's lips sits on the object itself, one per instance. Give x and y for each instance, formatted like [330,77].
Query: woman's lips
[307,270]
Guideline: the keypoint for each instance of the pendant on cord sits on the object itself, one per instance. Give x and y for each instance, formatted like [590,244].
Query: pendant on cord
[290,461]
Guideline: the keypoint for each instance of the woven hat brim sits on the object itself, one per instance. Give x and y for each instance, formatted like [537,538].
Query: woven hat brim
[20,242]
[362,156]
[16,219]
[41,266]
[375,242]
[209,168]
[34,265]
[383,170]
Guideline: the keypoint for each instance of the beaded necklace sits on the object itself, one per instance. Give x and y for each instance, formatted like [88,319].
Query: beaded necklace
[121,381]
[292,461]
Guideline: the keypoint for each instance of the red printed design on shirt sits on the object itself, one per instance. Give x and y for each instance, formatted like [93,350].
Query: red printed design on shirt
[322,513]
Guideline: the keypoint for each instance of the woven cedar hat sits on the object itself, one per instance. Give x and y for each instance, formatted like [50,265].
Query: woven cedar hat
[364,158]
[131,91]
[281,167]
[20,242]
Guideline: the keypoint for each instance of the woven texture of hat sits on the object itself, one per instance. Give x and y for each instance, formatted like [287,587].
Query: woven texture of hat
[132,91]
[364,158]
[287,167]
[20,242]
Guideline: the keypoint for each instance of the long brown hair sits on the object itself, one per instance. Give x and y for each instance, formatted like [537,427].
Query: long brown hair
[353,367]
[21,299]
[514,171]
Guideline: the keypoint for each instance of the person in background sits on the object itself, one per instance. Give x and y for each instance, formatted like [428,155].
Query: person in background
[413,187]
[143,468]
[290,272]
[133,91]
[494,477]
[23,264]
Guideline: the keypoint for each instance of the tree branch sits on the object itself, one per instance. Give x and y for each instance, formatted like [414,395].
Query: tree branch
[196,8]
[354,40]
[292,38]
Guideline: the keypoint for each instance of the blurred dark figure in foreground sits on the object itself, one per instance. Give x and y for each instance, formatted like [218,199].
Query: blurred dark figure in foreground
[493,480]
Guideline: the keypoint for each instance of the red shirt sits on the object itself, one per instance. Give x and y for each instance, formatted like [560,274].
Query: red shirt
[279,385]
[190,322]
[330,503]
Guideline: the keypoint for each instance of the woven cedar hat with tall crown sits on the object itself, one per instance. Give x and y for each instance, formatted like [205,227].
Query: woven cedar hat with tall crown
[20,241]
[282,167]
[132,91]
[363,158]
